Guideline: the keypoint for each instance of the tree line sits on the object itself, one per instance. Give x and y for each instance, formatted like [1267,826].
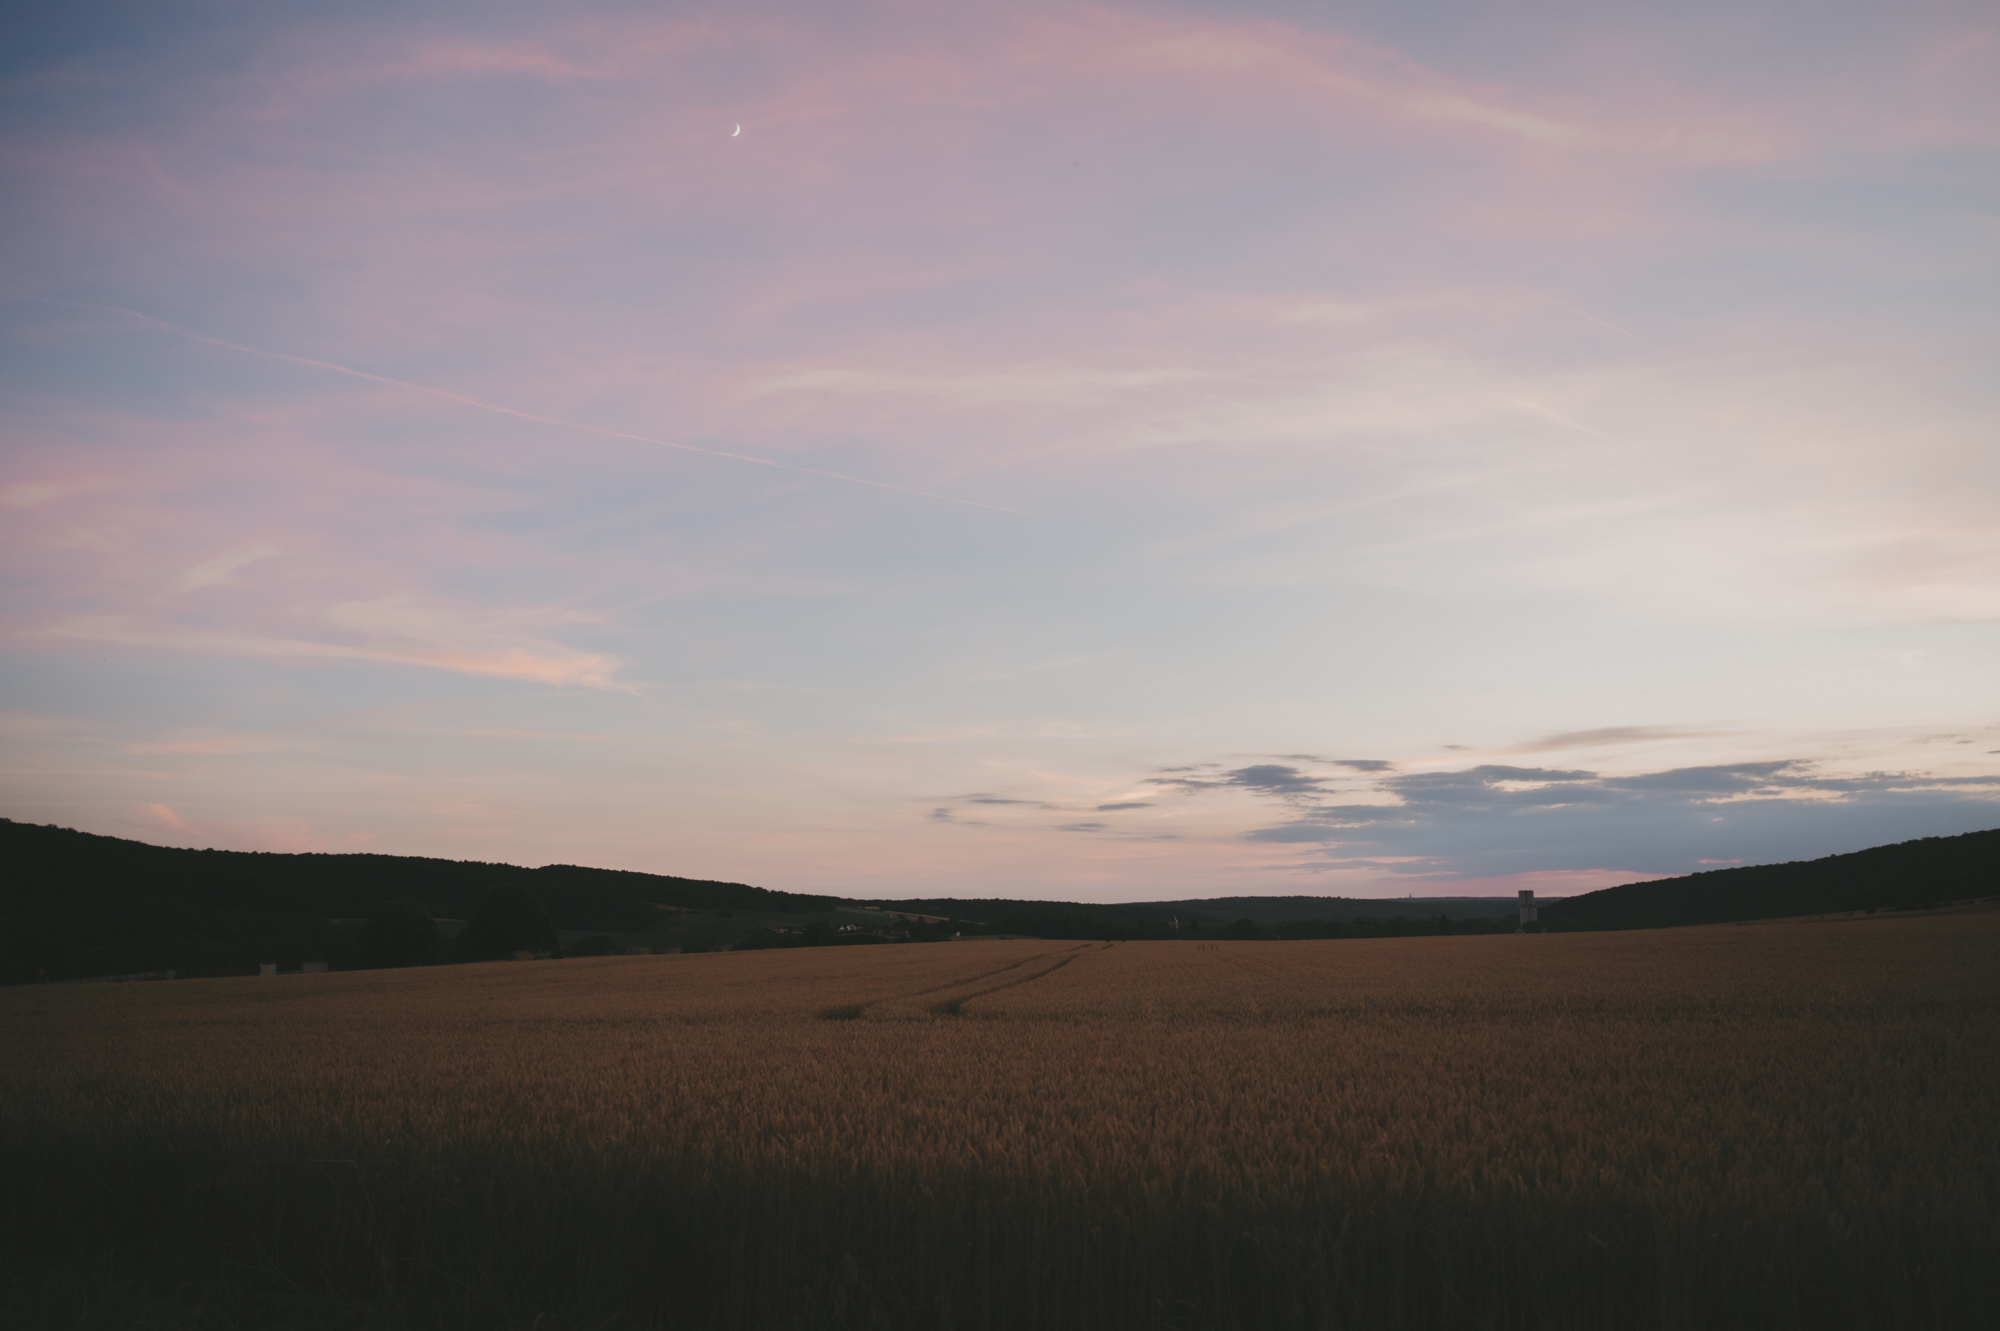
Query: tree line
[74,904]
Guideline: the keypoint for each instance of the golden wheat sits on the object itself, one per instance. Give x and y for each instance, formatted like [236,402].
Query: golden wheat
[1657,1129]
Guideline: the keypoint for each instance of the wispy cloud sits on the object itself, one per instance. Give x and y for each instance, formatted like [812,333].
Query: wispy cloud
[166,816]
[1496,819]
[1275,779]
[1605,737]
[477,405]
[33,494]
[221,568]
[215,745]
[484,58]
[396,630]
[1012,384]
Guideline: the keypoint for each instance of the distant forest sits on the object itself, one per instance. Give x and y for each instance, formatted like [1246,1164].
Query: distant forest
[1905,876]
[76,905]
[1240,917]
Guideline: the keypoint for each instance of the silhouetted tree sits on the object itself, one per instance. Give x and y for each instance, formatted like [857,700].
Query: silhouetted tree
[509,921]
[597,945]
[400,933]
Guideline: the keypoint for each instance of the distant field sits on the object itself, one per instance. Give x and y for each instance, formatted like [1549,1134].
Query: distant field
[1778,1125]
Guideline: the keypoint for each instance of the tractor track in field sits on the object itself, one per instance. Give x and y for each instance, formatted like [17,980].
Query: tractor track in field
[984,975]
[950,1006]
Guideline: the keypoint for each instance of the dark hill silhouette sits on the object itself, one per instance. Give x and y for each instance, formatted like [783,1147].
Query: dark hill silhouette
[1036,919]
[1902,876]
[73,904]
[1897,877]
[76,904]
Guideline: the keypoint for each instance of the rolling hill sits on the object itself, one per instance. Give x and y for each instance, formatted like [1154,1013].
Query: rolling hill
[75,904]
[1902,876]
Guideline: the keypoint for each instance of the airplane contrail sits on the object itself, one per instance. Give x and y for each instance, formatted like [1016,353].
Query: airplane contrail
[498,410]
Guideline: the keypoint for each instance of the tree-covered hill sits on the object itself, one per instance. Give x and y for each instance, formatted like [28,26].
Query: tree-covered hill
[1896,877]
[1038,919]
[75,904]
[1901,876]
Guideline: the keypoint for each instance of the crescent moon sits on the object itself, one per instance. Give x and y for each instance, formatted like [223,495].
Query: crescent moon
[734,132]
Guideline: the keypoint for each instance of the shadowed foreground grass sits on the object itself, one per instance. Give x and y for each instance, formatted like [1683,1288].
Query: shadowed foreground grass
[1785,1125]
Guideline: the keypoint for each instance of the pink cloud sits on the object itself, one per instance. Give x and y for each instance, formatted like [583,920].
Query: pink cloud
[161,813]
[1269,62]
[265,832]
[487,59]
[222,569]
[417,639]
[33,494]
[171,557]
[217,745]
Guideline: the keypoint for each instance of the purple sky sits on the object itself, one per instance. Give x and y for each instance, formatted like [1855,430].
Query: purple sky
[1050,450]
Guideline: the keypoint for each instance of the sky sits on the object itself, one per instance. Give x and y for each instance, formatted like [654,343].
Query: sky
[1076,451]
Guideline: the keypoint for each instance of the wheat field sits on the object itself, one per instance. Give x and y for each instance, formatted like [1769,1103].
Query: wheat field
[1781,1125]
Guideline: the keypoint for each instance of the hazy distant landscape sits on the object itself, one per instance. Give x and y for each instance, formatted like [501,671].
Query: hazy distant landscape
[78,906]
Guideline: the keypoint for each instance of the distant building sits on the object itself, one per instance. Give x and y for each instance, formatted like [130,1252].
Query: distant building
[1527,908]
